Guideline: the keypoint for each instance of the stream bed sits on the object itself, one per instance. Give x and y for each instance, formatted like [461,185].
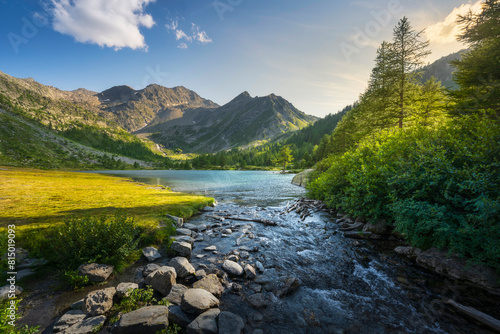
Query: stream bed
[346,286]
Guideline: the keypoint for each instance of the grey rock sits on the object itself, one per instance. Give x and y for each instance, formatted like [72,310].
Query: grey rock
[124,289]
[232,268]
[258,300]
[183,238]
[150,268]
[78,305]
[244,254]
[259,266]
[177,316]
[95,272]
[210,283]
[210,248]
[230,323]
[233,258]
[151,253]
[68,319]
[200,274]
[87,326]
[31,263]
[208,209]
[250,272]
[458,268]
[378,227]
[184,231]
[9,289]
[302,178]
[162,279]
[146,320]
[98,302]
[182,266]
[24,273]
[182,248]
[205,323]
[197,301]
[176,293]
[177,220]
[255,318]
[410,252]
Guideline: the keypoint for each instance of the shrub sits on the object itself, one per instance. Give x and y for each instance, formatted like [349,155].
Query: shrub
[5,311]
[440,187]
[94,239]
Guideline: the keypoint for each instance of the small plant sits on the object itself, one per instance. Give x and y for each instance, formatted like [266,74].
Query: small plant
[76,281]
[9,316]
[172,329]
[135,300]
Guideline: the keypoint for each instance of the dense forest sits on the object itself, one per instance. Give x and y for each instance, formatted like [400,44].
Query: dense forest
[421,157]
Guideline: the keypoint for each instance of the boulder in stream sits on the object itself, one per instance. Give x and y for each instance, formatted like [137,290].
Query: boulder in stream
[182,266]
[151,253]
[95,272]
[197,301]
[232,268]
[210,283]
[182,248]
[98,302]
[230,323]
[162,279]
[205,323]
[146,320]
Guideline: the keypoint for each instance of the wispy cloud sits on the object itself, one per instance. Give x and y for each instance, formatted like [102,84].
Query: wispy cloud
[446,31]
[107,23]
[184,39]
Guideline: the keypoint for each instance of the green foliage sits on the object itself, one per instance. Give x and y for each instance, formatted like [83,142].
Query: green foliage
[172,329]
[10,307]
[94,239]
[136,299]
[440,187]
[285,156]
[478,72]
[76,281]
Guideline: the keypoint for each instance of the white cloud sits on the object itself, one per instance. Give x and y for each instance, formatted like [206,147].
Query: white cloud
[196,34]
[110,23]
[446,31]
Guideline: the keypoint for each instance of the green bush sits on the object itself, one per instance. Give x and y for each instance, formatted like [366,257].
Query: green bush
[6,310]
[89,239]
[440,187]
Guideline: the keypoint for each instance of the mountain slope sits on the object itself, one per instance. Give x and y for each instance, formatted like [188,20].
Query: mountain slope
[243,122]
[442,70]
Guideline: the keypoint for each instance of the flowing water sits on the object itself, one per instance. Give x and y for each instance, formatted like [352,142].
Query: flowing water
[346,286]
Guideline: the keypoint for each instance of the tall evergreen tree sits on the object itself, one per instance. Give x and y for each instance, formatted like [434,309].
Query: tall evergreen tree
[408,52]
[478,72]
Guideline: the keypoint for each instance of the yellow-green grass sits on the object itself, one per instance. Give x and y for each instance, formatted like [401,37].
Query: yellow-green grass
[38,200]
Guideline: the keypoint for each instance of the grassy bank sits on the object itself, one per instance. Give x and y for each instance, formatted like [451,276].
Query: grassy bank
[38,201]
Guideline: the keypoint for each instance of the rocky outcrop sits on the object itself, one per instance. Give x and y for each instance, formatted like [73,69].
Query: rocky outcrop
[95,272]
[210,283]
[99,302]
[302,178]
[151,253]
[197,301]
[162,279]
[458,268]
[232,268]
[230,323]
[176,293]
[86,326]
[124,289]
[146,320]
[182,266]
[205,323]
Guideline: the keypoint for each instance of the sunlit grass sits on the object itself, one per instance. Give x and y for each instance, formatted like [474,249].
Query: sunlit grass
[36,200]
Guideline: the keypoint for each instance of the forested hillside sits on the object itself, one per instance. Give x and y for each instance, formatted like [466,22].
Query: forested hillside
[425,160]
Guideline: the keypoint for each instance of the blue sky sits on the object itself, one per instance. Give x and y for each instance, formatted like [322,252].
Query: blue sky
[316,54]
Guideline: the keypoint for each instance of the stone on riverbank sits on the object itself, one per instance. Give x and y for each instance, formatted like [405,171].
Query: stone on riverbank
[184,231]
[176,293]
[197,301]
[210,283]
[250,272]
[232,268]
[149,269]
[378,227]
[230,323]
[177,316]
[68,319]
[302,178]
[182,248]
[88,325]
[205,323]
[95,272]
[151,253]
[146,320]
[99,302]
[124,289]
[162,279]
[182,266]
